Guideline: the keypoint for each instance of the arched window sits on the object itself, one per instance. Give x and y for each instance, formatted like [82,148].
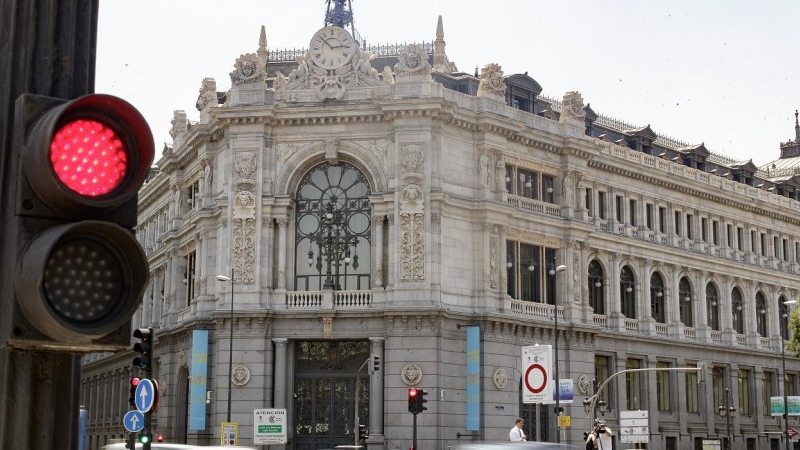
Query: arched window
[657,298]
[737,308]
[712,306]
[761,314]
[332,244]
[628,292]
[685,301]
[783,311]
[596,299]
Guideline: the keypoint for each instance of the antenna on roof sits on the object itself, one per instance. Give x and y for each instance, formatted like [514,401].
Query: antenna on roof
[340,14]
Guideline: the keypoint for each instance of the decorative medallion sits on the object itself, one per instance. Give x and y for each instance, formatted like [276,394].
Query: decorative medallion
[240,375]
[500,379]
[583,384]
[411,374]
[492,80]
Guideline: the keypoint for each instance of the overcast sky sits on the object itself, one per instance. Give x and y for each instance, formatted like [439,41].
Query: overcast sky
[719,72]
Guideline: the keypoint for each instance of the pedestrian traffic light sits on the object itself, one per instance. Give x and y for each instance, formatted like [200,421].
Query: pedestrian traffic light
[363,433]
[421,400]
[412,401]
[145,348]
[134,383]
[76,168]
[375,363]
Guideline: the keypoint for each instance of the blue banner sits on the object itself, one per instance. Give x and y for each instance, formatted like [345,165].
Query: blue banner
[473,378]
[83,428]
[198,380]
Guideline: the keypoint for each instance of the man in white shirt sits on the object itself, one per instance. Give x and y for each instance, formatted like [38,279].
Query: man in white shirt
[516,434]
[604,435]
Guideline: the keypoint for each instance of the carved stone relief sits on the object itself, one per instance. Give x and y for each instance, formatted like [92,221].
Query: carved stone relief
[492,80]
[240,375]
[500,174]
[485,169]
[412,60]
[412,223]
[249,68]
[208,94]
[568,189]
[572,108]
[411,374]
[500,378]
[491,279]
[179,124]
[327,327]
[244,218]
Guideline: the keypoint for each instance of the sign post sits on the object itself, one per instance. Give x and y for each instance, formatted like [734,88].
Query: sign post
[634,427]
[269,427]
[537,386]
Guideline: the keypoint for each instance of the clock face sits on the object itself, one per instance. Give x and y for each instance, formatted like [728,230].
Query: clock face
[332,47]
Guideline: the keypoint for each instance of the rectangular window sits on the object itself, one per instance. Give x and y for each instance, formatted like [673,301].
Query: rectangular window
[188,277]
[662,219]
[716,385]
[589,203]
[632,385]
[677,223]
[194,195]
[602,367]
[601,205]
[691,392]
[790,384]
[763,243]
[704,229]
[690,226]
[548,194]
[510,184]
[530,270]
[729,231]
[632,213]
[663,391]
[527,184]
[776,247]
[797,252]
[511,253]
[550,280]
[672,443]
[753,241]
[715,232]
[620,205]
[766,393]
[740,238]
[744,392]
[785,250]
[649,212]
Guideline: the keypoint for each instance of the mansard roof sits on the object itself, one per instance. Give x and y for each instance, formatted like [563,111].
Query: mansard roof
[744,165]
[700,150]
[524,81]
[590,114]
[645,132]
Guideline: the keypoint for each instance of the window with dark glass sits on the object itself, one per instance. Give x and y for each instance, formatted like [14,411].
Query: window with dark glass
[712,306]
[704,229]
[715,232]
[740,238]
[649,212]
[657,298]
[531,281]
[550,279]
[596,299]
[691,392]
[763,242]
[753,242]
[527,184]
[628,292]
[744,392]
[620,206]
[729,230]
[633,387]
[602,369]
[528,272]
[761,314]
[189,276]
[678,223]
[632,212]
[332,229]
[689,226]
[663,391]
[601,205]
[548,194]
[589,203]
[511,268]
[766,393]
[685,302]
[737,307]
[662,221]
[783,312]
[785,248]
[717,385]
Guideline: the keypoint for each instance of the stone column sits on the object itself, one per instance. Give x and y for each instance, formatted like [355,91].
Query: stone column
[617,322]
[750,316]
[755,408]
[283,222]
[702,327]
[281,387]
[268,239]
[377,249]
[502,251]
[646,321]
[726,312]
[376,398]
[673,301]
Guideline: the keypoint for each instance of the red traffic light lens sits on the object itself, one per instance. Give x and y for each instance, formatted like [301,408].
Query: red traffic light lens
[83,280]
[412,392]
[134,381]
[89,157]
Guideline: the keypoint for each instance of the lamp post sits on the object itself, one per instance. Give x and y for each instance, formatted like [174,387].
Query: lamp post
[783,362]
[230,349]
[334,240]
[552,273]
[727,411]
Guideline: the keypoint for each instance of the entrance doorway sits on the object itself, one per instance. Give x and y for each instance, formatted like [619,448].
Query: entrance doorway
[325,384]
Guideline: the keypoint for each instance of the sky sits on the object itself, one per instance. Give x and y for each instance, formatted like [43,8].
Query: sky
[721,72]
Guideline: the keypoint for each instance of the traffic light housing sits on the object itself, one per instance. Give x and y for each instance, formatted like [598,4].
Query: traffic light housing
[145,437]
[134,382]
[375,363]
[363,432]
[412,401]
[145,348]
[79,273]
[421,400]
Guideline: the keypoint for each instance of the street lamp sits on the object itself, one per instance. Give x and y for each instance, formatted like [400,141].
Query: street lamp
[230,349]
[783,362]
[727,411]
[552,273]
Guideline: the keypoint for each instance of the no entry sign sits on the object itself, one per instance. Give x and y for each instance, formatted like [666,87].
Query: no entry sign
[536,383]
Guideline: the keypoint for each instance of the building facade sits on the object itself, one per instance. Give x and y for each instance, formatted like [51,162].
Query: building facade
[369,205]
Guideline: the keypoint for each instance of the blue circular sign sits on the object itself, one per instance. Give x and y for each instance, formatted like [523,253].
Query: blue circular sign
[133,421]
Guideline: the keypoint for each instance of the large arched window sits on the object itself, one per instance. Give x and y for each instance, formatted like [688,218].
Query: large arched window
[657,298]
[685,301]
[627,285]
[783,312]
[332,244]
[596,299]
[761,314]
[737,310]
[712,306]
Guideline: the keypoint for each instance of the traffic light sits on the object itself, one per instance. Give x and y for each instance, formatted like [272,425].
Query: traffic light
[145,437]
[80,273]
[375,363]
[145,348]
[421,400]
[412,401]
[160,438]
[134,383]
[363,433]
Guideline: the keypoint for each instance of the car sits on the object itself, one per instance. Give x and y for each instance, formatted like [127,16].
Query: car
[525,445]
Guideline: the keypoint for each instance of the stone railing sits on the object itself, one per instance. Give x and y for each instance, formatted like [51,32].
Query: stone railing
[741,339]
[632,325]
[303,300]
[535,309]
[662,329]
[764,343]
[600,320]
[352,299]
[689,333]
[528,204]
[716,336]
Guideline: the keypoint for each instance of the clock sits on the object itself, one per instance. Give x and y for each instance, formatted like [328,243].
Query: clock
[332,47]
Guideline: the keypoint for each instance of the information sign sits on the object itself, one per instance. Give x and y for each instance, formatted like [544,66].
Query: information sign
[269,427]
[537,384]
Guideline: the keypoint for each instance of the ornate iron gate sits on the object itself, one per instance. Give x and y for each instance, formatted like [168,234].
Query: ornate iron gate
[536,430]
[325,380]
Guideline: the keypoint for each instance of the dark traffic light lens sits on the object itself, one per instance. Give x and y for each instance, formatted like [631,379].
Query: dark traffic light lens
[83,280]
[89,157]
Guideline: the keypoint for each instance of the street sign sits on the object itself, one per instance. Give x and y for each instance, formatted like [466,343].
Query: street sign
[229,435]
[133,421]
[566,393]
[269,427]
[634,427]
[145,396]
[536,363]
[791,432]
[565,421]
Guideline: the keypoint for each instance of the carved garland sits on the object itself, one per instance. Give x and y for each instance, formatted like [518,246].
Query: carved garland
[412,244]
[244,218]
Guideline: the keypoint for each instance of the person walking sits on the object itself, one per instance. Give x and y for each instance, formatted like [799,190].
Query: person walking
[600,437]
[516,434]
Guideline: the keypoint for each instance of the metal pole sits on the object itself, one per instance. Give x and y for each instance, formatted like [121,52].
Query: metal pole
[230,352]
[558,388]
[728,416]
[414,439]
[785,403]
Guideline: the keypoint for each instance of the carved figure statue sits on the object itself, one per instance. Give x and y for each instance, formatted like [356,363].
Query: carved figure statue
[175,206]
[208,181]
[387,75]
[568,190]
[485,170]
[301,72]
[581,193]
[500,174]
[280,81]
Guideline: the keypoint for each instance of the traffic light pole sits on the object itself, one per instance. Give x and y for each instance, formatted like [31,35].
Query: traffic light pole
[48,49]
[414,436]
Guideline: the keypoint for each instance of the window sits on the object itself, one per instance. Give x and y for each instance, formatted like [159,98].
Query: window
[633,385]
[729,231]
[717,386]
[649,212]
[188,276]
[657,298]
[790,384]
[528,277]
[620,206]
[596,300]
[715,232]
[589,203]
[753,241]
[194,199]
[783,312]
[712,306]
[547,186]
[737,310]
[776,247]
[602,367]
[601,205]
[785,250]
[690,226]
[663,387]
[766,393]
[797,252]
[632,212]
[761,315]
[685,302]
[704,229]
[740,238]
[662,221]
[527,184]
[744,392]
[691,392]
[677,223]
[333,201]
[626,288]
[763,243]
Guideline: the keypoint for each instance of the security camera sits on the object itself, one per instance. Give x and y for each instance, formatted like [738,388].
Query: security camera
[208,397]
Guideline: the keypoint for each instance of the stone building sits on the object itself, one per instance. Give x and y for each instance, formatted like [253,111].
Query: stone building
[369,205]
